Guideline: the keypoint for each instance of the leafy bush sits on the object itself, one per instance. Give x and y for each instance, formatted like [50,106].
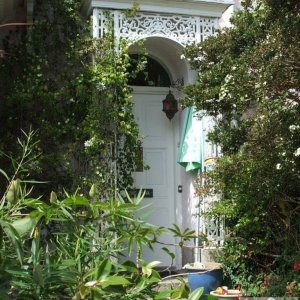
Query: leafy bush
[71,248]
[249,80]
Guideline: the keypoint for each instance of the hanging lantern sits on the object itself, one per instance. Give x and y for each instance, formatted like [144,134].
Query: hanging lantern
[170,106]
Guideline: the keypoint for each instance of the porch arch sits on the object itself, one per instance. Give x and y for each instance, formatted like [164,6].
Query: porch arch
[167,52]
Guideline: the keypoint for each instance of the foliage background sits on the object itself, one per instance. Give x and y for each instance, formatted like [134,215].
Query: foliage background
[73,90]
[249,80]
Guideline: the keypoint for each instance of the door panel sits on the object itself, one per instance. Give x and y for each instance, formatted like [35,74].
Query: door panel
[158,154]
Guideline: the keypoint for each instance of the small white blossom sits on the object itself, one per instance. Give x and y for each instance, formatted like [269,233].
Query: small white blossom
[297,152]
[293,128]
[199,58]
[295,92]
[88,143]
[291,103]
[228,77]
[278,166]
[100,86]
[182,56]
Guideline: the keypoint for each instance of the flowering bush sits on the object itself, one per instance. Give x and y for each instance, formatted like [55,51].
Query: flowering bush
[249,79]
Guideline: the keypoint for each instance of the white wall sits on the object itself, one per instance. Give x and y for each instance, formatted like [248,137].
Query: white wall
[225,19]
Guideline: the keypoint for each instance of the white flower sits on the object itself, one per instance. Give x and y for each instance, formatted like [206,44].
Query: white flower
[293,128]
[100,86]
[291,103]
[182,56]
[88,143]
[199,58]
[278,166]
[297,152]
[295,92]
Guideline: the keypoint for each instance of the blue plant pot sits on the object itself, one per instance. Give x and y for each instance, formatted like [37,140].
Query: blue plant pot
[209,280]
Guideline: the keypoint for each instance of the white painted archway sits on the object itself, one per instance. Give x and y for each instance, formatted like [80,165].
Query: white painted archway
[160,144]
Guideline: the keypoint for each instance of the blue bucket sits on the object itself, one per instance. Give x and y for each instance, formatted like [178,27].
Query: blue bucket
[209,280]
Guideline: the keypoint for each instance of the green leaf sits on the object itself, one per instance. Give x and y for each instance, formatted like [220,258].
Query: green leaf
[91,272]
[26,224]
[176,230]
[130,266]
[4,174]
[114,280]
[104,269]
[196,294]
[63,276]
[38,275]
[130,244]
[93,191]
[171,254]
[182,291]
[12,233]
[13,192]
[76,200]
[163,295]
[148,268]
[53,197]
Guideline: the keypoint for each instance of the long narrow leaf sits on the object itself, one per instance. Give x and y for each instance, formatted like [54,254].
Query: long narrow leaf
[13,235]
[4,174]
[104,269]
[114,280]
[196,294]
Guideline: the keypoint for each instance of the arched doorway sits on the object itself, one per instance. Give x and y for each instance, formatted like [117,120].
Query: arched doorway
[161,137]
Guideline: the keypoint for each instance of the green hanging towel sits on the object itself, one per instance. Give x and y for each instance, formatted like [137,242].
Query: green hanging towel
[190,156]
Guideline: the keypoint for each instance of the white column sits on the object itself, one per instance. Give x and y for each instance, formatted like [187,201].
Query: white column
[117,15]
[95,20]
[198,30]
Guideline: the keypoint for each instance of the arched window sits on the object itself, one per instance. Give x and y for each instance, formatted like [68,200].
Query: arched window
[154,74]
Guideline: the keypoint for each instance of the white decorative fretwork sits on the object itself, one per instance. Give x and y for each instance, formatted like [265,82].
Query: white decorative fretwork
[182,29]
[212,228]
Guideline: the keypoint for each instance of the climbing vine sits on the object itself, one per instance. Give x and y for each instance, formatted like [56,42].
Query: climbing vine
[73,91]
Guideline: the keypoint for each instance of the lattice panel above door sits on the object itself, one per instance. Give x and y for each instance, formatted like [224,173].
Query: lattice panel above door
[182,29]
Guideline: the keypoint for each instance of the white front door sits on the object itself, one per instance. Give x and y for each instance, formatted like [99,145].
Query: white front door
[159,155]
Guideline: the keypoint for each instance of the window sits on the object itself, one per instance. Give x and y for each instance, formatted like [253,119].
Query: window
[154,74]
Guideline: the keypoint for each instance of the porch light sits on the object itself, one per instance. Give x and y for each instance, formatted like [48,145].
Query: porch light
[170,106]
